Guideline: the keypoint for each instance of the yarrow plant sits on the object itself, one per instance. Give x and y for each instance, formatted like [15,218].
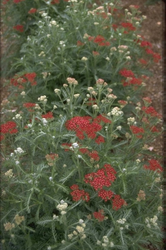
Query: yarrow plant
[77,166]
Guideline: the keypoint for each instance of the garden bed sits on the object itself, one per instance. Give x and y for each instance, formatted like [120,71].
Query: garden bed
[79,165]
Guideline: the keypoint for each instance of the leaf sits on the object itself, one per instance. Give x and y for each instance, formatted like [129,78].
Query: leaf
[29,228]
[51,199]
[68,176]
[74,205]
[62,122]
[68,246]
[63,188]
[45,221]
[119,144]
[41,134]
[54,232]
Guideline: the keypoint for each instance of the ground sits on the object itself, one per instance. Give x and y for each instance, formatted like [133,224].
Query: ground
[153,31]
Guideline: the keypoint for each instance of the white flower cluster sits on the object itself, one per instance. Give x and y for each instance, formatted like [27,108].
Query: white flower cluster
[119,128]
[53,23]
[131,120]
[17,117]
[44,121]
[41,24]
[62,43]
[95,107]
[62,207]
[84,59]
[111,96]
[160,209]
[57,91]
[90,89]
[122,222]
[42,54]
[19,150]
[9,173]
[76,95]
[45,74]
[151,221]
[101,82]
[115,112]
[72,1]
[55,217]
[79,231]
[71,80]
[23,93]
[37,106]
[42,98]
[112,50]
[74,145]
[105,242]
[123,47]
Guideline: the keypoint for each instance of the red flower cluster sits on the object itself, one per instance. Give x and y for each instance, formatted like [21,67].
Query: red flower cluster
[29,106]
[82,126]
[17,1]
[8,127]
[32,11]
[103,177]
[5,1]
[99,215]
[156,57]
[100,139]
[101,119]
[146,44]
[95,53]
[94,155]
[66,146]
[114,26]
[118,202]
[57,1]
[151,111]
[136,6]
[79,43]
[122,102]
[2,137]
[147,99]
[110,9]
[78,194]
[137,130]
[154,129]
[100,40]
[154,166]
[143,61]
[17,81]
[31,78]
[102,14]
[126,73]
[48,115]
[105,194]
[19,28]
[128,26]
[91,101]
[133,81]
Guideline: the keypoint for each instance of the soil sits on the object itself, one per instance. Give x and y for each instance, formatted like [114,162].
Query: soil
[153,31]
